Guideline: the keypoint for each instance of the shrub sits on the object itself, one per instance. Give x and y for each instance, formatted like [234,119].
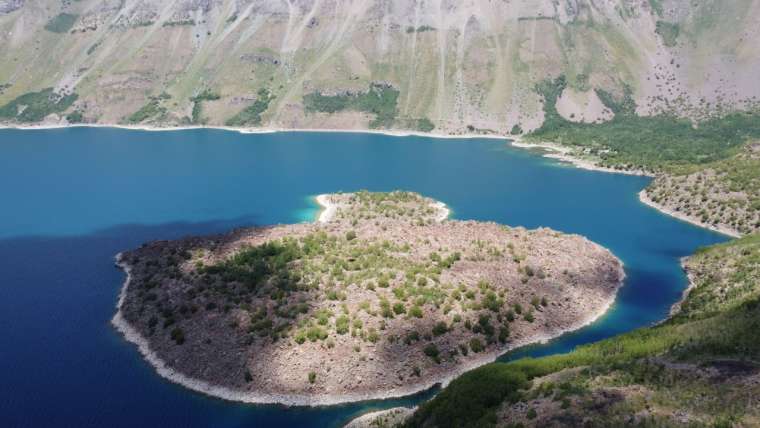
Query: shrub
[350,235]
[503,334]
[532,414]
[315,333]
[432,351]
[415,311]
[411,337]
[476,345]
[440,328]
[312,377]
[399,308]
[341,324]
[178,335]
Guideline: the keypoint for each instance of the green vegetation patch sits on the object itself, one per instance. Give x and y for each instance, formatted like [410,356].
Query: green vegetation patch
[75,117]
[153,109]
[420,29]
[251,115]
[424,125]
[206,95]
[380,100]
[61,23]
[652,143]
[657,7]
[669,33]
[712,326]
[35,106]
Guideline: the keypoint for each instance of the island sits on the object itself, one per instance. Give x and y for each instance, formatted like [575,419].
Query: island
[382,296]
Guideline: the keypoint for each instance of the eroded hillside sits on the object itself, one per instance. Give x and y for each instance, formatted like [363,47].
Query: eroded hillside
[449,66]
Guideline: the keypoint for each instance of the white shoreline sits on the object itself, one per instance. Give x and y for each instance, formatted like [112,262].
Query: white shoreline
[328,208]
[263,130]
[644,198]
[133,336]
[562,154]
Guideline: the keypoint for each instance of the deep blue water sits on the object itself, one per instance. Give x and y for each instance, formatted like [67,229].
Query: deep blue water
[71,199]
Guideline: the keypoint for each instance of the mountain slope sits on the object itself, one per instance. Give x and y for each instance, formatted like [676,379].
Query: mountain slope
[459,66]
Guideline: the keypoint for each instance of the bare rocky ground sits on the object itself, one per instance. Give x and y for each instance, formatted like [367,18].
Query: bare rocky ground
[381,299]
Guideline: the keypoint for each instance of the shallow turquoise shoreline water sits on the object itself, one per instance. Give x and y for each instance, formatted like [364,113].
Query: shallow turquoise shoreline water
[73,198]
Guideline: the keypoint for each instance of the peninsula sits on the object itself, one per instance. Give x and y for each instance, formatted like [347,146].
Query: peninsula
[382,296]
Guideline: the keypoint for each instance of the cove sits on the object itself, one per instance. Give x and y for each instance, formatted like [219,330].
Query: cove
[73,198]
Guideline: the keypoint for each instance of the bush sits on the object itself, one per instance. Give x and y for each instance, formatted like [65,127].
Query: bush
[415,311]
[503,334]
[178,335]
[312,377]
[440,328]
[341,324]
[532,414]
[350,235]
[399,308]
[411,337]
[315,333]
[432,351]
[476,345]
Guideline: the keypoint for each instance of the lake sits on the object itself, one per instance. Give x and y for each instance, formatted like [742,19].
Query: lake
[73,198]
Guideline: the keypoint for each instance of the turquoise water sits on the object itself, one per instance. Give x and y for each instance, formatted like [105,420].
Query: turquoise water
[73,198]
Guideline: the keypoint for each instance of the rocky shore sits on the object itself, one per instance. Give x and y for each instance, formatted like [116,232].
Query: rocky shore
[383,297]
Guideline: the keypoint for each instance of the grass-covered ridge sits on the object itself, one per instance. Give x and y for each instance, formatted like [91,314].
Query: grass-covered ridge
[35,106]
[715,331]
[380,100]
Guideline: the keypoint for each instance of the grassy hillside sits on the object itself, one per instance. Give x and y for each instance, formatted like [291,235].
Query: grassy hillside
[700,368]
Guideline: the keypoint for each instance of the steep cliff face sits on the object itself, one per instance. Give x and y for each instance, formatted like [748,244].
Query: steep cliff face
[460,66]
